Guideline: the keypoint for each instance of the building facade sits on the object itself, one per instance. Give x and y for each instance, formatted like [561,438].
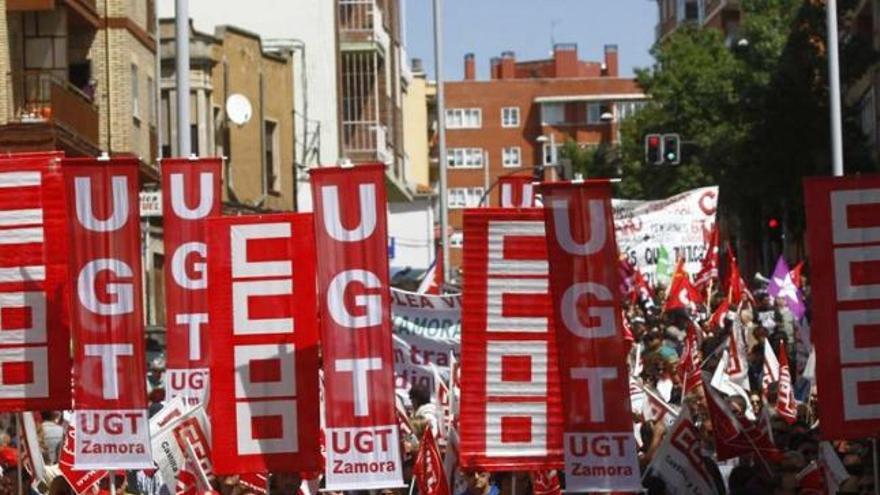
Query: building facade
[720,14]
[80,78]
[864,94]
[507,124]
[259,165]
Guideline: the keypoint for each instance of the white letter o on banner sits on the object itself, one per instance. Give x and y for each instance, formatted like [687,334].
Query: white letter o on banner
[372,303]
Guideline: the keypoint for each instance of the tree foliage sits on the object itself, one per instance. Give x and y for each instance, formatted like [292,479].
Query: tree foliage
[752,112]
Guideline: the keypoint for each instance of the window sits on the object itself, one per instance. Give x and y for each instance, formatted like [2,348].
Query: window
[135,93]
[151,98]
[464,197]
[511,157]
[465,157]
[552,113]
[464,118]
[547,153]
[626,109]
[272,161]
[594,113]
[510,117]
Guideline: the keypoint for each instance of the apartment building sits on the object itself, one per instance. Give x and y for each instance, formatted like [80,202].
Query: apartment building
[863,21]
[506,125]
[80,78]
[259,168]
[719,14]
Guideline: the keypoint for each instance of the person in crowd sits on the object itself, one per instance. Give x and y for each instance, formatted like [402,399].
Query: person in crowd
[52,436]
[481,483]
[425,413]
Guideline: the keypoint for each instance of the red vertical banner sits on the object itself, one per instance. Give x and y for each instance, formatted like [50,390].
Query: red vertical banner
[106,315]
[363,448]
[843,236]
[34,327]
[516,191]
[264,364]
[511,418]
[600,451]
[191,193]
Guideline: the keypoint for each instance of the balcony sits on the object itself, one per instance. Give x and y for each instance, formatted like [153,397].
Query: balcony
[361,26]
[50,113]
[366,141]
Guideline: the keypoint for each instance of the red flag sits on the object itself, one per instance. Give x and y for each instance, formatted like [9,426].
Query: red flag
[717,318]
[785,403]
[432,281]
[796,274]
[587,312]
[510,394]
[691,364]
[734,434]
[516,191]
[257,482]
[192,193]
[81,481]
[545,483]
[736,286]
[264,366]
[642,289]
[709,268]
[355,307]
[105,268]
[682,294]
[428,467]
[35,336]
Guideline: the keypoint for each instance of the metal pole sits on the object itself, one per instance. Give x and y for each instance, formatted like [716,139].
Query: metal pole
[157,80]
[834,90]
[441,142]
[112,482]
[876,471]
[181,32]
[19,433]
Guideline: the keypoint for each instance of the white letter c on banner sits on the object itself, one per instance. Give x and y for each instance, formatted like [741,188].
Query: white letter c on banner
[124,292]
[372,303]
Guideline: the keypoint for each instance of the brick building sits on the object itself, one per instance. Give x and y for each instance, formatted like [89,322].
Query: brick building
[503,126]
[718,14]
[80,77]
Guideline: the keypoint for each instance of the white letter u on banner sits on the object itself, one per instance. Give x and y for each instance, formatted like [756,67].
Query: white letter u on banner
[86,215]
[562,226]
[333,219]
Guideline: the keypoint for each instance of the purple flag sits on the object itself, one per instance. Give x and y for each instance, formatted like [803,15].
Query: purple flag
[781,285]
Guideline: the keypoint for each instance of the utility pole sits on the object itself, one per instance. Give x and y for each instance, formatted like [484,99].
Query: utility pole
[834,90]
[441,142]
[181,35]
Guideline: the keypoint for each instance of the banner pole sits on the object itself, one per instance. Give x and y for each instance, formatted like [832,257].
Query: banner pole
[876,472]
[513,483]
[112,483]
[18,431]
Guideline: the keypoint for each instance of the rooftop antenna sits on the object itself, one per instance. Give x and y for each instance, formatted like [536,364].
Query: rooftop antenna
[553,24]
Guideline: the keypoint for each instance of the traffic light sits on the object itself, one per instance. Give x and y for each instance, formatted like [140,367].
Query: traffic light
[671,149]
[653,149]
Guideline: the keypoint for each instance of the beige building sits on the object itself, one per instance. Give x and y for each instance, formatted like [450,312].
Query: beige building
[415,131]
[81,77]
[258,172]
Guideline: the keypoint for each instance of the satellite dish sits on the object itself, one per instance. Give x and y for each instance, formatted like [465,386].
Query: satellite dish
[238,108]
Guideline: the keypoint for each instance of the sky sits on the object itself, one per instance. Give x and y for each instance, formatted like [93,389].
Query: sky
[484,27]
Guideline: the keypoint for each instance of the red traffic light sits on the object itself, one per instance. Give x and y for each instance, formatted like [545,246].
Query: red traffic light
[653,140]
[773,223]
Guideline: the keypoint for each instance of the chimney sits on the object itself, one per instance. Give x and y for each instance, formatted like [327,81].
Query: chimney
[495,67]
[470,68]
[508,65]
[565,59]
[611,64]
[417,65]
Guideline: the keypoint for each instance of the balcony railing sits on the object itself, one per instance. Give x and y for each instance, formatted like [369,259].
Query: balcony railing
[363,19]
[42,96]
[367,138]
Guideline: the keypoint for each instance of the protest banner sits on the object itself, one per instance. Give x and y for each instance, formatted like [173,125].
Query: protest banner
[426,329]
[34,327]
[510,395]
[681,225]
[106,315]
[363,450]
[264,367]
[843,239]
[192,193]
[600,449]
